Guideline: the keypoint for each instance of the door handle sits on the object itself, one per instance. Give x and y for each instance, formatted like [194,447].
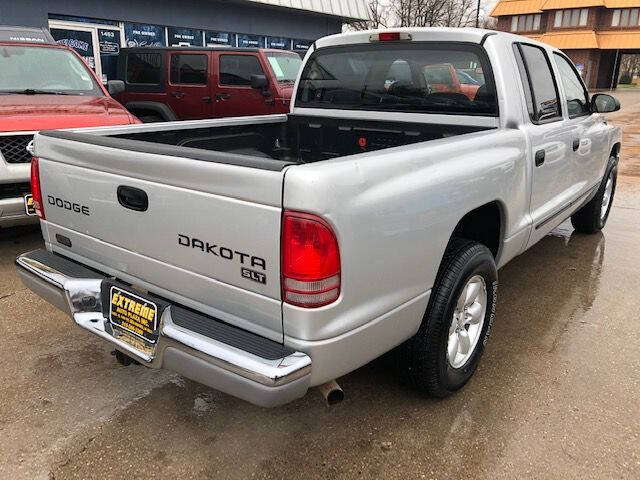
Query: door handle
[133,198]
[177,94]
[539,158]
[222,96]
[576,144]
[206,99]
[270,101]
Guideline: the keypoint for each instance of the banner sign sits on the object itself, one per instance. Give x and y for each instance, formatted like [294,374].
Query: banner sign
[302,44]
[80,41]
[219,38]
[250,41]
[279,42]
[181,37]
[142,35]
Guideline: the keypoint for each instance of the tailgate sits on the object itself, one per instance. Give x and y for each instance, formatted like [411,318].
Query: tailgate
[201,233]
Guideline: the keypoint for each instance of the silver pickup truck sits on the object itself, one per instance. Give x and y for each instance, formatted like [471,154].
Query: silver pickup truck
[266,255]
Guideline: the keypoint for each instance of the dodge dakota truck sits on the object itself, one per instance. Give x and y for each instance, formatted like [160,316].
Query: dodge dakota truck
[265,255]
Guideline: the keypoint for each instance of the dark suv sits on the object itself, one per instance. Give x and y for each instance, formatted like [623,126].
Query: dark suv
[177,83]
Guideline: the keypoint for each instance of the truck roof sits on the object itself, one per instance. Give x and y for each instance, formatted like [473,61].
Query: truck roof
[32,35]
[425,34]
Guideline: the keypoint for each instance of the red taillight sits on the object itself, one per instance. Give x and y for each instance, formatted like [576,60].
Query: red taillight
[310,261]
[35,188]
[389,36]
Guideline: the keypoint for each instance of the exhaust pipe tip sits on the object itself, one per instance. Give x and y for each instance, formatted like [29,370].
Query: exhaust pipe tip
[331,392]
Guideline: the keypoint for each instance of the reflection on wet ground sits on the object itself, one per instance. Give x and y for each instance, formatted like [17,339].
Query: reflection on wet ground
[538,407]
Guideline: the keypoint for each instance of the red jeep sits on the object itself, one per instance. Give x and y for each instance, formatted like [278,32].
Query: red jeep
[176,83]
[42,86]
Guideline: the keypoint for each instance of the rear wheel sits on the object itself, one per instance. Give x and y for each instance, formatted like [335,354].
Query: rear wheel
[592,217]
[445,352]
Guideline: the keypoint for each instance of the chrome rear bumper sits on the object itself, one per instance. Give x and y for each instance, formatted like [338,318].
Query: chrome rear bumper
[265,380]
[12,213]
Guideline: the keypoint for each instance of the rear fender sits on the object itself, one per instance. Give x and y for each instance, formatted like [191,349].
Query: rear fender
[158,108]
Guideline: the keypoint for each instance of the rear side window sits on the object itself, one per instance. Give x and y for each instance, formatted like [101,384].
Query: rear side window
[412,77]
[144,68]
[577,98]
[188,69]
[537,77]
[237,69]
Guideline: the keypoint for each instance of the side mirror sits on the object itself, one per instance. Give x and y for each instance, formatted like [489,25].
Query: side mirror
[115,87]
[604,103]
[259,81]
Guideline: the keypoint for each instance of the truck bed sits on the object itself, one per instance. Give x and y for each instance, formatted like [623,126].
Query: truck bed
[208,233]
[273,145]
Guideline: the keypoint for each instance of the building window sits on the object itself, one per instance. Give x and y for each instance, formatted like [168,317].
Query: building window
[576,17]
[625,17]
[525,23]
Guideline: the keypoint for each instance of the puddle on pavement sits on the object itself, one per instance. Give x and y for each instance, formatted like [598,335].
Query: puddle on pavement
[381,423]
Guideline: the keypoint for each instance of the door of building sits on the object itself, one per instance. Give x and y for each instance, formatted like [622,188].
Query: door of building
[97,44]
[82,39]
[109,40]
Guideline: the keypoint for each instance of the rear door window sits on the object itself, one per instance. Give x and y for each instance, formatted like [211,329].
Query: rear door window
[537,77]
[411,77]
[236,70]
[144,68]
[188,69]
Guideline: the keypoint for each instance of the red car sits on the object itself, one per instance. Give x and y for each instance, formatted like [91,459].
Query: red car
[175,83]
[43,86]
[446,78]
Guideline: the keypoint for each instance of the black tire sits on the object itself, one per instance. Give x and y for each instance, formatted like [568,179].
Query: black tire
[589,219]
[424,357]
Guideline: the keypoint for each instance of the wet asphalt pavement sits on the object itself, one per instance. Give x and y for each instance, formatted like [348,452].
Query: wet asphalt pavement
[557,394]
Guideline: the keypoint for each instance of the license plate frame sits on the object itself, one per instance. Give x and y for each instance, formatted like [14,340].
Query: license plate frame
[29,206]
[123,317]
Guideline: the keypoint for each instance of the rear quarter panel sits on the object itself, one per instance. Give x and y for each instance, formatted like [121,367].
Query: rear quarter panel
[393,213]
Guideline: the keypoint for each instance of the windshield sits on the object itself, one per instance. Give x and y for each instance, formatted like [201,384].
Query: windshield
[285,66]
[408,78]
[33,70]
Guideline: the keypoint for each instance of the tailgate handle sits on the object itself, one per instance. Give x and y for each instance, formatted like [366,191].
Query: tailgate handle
[576,144]
[133,198]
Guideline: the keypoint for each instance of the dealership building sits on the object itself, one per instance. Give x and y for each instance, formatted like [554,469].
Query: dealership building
[97,29]
[596,34]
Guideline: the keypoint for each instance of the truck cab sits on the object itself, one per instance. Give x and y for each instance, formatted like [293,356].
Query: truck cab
[167,84]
